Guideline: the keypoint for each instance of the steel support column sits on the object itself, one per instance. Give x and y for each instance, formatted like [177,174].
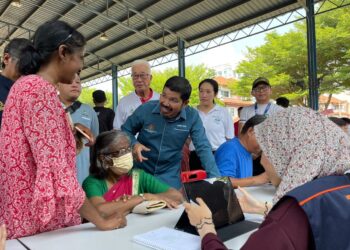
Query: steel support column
[181,57]
[115,86]
[311,48]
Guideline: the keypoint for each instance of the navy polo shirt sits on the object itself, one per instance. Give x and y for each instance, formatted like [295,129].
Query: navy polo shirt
[165,139]
[5,86]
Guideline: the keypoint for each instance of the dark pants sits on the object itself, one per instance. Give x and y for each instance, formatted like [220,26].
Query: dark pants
[195,162]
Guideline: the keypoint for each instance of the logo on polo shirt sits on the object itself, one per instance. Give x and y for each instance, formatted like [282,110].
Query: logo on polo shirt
[150,128]
[1,106]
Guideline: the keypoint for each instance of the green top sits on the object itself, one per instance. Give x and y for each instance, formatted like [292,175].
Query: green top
[147,184]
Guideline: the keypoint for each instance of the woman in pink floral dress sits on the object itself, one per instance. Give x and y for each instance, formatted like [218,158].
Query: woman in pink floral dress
[38,186]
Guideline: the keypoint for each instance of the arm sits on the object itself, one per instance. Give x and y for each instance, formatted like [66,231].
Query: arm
[203,147]
[117,123]
[251,205]
[172,197]
[95,126]
[114,207]
[134,124]
[110,119]
[250,181]
[89,212]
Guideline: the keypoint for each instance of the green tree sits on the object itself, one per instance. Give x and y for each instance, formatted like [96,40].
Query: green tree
[283,59]
[86,97]
[193,73]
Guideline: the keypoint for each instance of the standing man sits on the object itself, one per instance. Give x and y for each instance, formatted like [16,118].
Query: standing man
[80,113]
[163,128]
[141,79]
[10,72]
[105,115]
[261,90]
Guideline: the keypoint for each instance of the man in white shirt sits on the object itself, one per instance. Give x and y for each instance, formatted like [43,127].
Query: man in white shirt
[261,90]
[141,78]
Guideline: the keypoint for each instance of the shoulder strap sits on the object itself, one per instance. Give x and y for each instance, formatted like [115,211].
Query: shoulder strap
[74,107]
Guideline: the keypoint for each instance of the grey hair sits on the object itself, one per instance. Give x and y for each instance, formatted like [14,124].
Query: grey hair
[142,62]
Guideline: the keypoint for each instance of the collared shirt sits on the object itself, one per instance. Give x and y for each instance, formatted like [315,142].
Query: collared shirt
[234,160]
[218,126]
[250,111]
[127,105]
[5,86]
[86,116]
[165,139]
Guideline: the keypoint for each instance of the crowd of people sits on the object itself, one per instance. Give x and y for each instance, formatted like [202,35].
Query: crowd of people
[62,161]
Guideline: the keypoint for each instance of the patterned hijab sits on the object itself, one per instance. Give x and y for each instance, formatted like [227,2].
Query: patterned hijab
[302,145]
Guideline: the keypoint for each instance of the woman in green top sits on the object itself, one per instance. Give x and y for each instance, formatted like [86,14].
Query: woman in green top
[111,179]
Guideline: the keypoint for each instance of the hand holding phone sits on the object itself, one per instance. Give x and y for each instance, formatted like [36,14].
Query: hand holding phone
[85,133]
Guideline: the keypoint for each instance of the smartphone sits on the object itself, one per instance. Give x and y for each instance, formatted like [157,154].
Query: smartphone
[83,133]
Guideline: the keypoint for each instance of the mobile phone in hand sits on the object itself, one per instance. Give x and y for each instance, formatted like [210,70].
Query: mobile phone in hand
[83,133]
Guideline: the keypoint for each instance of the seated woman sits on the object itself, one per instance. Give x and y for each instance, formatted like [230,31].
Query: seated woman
[305,156]
[114,186]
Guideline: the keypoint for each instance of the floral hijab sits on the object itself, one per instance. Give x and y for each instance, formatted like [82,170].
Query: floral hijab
[302,145]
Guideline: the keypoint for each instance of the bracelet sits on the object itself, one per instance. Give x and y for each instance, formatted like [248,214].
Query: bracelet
[143,197]
[266,209]
[203,222]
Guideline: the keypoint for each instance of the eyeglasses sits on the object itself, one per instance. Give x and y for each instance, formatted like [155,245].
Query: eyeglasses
[119,153]
[261,89]
[142,76]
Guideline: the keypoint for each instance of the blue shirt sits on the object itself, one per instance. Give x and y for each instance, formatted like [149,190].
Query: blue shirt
[86,116]
[234,160]
[5,86]
[165,139]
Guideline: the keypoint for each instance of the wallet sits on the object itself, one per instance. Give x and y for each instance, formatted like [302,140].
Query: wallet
[147,207]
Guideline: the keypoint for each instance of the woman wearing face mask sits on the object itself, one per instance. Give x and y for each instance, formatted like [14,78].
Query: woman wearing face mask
[305,156]
[114,186]
[216,120]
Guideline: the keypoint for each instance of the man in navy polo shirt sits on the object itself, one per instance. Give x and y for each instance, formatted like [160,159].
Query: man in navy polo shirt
[163,128]
[9,72]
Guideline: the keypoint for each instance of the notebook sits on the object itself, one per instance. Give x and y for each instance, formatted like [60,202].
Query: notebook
[165,238]
[220,197]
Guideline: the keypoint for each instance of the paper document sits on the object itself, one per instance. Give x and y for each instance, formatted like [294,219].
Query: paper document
[165,238]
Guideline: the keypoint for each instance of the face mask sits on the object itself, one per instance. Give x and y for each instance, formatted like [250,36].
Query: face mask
[123,163]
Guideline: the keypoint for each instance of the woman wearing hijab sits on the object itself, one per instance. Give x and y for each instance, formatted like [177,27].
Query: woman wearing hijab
[305,156]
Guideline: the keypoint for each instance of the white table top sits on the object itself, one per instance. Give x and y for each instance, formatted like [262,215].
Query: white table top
[87,236]
[14,245]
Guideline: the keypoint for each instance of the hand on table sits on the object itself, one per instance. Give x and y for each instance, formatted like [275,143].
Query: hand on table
[249,204]
[112,222]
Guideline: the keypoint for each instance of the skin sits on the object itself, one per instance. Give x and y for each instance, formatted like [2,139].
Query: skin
[3,236]
[125,205]
[249,142]
[170,107]
[142,86]
[63,67]
[10,71]
[262,97]
[206,97]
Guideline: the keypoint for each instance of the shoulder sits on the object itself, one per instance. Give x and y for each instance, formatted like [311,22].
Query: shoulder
[127,99]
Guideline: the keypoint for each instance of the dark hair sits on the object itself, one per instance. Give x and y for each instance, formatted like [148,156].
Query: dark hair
[101,146]
[239,111]
[345,119]
[99,96]
[180,85]
[339,121]
[282,101]
[14,48]
[47,39]
[213,83]
[252,122]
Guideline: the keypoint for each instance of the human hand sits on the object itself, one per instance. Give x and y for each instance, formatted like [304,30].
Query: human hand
[261,179]
[3,236]
[112,222]
[137,152]
[83,132]
[196,213]
[249,204]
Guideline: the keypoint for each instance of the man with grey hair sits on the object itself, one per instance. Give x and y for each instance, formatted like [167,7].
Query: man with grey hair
[10,73]
[141,78]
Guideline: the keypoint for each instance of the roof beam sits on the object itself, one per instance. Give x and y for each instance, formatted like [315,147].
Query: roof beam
[118,22]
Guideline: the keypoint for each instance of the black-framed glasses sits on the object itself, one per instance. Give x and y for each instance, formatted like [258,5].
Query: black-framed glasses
[118,153]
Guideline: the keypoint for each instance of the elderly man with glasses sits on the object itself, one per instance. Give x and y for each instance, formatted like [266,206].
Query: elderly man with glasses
[141,78]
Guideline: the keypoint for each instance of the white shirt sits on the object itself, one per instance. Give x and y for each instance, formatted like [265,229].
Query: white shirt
[127,106]
[249,111]
[218,126]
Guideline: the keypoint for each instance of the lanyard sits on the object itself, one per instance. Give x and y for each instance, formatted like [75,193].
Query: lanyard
[266,109]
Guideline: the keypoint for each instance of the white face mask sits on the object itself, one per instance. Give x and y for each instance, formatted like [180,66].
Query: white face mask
[123,163]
